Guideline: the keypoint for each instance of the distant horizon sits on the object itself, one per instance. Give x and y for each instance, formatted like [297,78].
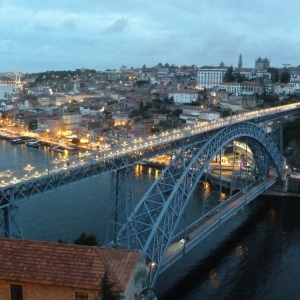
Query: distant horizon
[128,68]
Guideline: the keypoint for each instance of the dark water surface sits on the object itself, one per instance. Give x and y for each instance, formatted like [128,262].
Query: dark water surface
[255,255]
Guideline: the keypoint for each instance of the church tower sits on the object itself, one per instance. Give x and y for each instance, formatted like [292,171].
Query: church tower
[240,63]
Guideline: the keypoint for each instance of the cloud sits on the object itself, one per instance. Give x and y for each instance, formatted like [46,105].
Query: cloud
[69,25]
[118,26]
[107,34]
[41,27]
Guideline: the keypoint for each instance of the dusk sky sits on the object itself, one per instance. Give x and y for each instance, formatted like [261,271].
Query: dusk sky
[40,35]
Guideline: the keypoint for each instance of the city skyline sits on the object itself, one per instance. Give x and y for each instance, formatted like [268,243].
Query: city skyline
[63,35]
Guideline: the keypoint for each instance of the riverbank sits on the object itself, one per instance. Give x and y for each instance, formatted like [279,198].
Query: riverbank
[57,147]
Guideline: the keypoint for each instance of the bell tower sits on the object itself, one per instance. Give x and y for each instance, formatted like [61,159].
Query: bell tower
[240,63]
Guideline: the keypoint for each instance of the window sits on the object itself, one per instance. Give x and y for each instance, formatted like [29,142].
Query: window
[16,292]
[81,296]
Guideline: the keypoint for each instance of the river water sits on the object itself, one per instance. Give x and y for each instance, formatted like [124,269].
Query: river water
[5,89]
[255,255]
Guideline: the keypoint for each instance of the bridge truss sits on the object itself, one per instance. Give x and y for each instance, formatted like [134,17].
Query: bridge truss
[153,223]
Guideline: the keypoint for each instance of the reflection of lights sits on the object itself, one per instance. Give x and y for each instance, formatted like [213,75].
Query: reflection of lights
[182,240]
[240,251]
[273,215]
[214,278]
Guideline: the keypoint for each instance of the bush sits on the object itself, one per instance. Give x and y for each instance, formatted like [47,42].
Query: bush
[86,239]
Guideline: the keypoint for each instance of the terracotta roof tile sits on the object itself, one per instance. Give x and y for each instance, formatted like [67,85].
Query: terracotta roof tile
[64,264]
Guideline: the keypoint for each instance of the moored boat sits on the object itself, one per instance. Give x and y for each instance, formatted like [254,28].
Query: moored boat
[32,144]
[17,141]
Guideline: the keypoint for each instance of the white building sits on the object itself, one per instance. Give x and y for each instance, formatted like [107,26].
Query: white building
[285,88]
[209,115]
[296,85]
[182,96]
[209,77]
[251,87]
[194,114]
[162,72]
[6,106]
[230,87]
[190,114]
[247,72]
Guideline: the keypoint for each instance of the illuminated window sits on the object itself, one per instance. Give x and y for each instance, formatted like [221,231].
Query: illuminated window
[81,296]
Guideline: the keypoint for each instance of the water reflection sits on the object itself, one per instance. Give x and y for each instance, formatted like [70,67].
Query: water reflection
[214,278]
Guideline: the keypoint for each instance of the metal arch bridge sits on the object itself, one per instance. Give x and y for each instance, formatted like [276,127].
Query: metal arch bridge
[151,226]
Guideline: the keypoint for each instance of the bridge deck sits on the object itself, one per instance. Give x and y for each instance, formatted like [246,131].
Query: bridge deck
[211,221]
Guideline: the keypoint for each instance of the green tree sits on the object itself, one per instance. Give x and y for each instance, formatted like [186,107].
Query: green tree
[229,77]
[240,78]
[285,77]
[86,239]
[276,77]
[177,112]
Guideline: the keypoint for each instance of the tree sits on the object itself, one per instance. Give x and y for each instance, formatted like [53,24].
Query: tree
[106,291]
[86,239]
[61,241]
[141,105]
[276,77]
[177,112]
[229,77]
[285,77]
[240,78]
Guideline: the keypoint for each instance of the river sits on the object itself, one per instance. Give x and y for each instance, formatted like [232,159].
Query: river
[5,89]
[255,255]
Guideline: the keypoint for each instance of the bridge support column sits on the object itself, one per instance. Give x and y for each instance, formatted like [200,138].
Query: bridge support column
[121,206]
[277,134]
[9,219]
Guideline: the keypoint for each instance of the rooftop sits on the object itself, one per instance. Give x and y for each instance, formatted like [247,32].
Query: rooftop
[65,264]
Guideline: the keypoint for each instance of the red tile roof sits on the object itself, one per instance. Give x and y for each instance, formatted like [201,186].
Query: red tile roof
[65,264]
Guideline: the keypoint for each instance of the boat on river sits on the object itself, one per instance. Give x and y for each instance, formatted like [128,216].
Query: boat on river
[17,141]
[34,144]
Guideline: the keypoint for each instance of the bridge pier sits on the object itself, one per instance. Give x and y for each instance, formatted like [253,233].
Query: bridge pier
[9,217]
[121,206]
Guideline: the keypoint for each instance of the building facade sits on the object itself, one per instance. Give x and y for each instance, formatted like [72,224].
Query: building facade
[209,77]
[262,64]
[32,270]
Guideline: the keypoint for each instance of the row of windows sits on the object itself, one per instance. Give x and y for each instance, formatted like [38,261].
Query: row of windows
[16,293]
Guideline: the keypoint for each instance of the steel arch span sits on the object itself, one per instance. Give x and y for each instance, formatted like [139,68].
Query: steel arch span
[153,223]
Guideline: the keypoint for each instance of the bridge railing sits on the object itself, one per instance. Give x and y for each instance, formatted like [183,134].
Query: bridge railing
[188,245]
[215,210]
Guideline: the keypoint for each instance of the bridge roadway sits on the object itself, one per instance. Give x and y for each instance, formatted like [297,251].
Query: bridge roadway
[32,180]
[185,240]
